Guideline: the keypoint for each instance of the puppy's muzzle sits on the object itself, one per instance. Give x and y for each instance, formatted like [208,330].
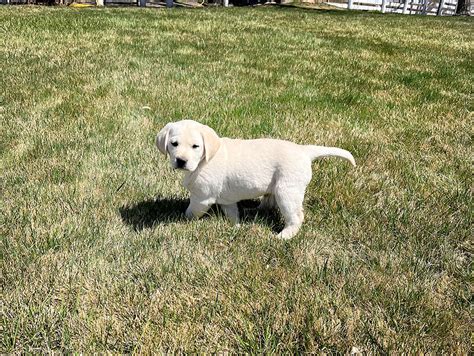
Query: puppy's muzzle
[180,163]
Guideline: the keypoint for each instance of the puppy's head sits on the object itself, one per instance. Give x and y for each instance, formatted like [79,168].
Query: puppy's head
[188,143]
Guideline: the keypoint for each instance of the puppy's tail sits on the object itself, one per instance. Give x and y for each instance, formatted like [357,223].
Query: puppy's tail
[322,151]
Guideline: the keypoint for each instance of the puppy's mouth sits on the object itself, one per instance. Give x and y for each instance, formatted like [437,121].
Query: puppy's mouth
[181,166]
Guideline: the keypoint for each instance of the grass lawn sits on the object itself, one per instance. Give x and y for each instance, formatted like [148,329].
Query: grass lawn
[95,252]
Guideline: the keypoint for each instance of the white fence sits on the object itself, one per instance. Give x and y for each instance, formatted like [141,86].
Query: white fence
[421,7]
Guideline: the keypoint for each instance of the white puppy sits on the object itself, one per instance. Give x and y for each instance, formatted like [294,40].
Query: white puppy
[224,171]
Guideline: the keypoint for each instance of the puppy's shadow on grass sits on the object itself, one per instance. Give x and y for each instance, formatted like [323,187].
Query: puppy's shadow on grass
[147,213]
[249,213]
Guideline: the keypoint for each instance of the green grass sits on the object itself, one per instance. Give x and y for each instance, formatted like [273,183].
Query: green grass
[95,252]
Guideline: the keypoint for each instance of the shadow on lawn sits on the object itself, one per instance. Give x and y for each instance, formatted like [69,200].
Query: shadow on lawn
[147,213]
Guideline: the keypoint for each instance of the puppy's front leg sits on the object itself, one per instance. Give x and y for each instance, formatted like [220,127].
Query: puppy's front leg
[232,212]
[197,208]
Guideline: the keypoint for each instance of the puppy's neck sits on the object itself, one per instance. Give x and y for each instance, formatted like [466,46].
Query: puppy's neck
[190,177]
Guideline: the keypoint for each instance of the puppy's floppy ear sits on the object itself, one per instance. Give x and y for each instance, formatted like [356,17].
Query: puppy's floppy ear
[162,139]
[211,140]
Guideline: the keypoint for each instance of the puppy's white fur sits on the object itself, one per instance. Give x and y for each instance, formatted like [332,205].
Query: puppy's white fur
[224,171]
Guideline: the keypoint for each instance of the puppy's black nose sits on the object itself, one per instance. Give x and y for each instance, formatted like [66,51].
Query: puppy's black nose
[180,163]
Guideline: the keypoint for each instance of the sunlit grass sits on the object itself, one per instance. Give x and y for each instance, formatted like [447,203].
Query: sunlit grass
[95,252]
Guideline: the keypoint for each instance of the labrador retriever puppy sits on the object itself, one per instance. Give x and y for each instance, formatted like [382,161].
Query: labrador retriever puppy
[220,170]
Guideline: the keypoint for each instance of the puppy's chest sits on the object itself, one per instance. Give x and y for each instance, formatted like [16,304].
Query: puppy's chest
[203,184]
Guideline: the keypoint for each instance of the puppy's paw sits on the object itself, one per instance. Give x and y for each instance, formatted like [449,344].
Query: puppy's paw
[284,236]
[288,232]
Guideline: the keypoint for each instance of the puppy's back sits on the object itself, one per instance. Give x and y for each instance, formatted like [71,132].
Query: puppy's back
[264,156]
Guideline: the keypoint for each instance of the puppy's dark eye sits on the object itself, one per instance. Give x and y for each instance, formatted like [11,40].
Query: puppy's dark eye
[174,144]
[195,146]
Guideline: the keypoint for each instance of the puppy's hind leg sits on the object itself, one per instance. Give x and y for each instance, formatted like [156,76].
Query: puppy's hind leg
[232,212]
[290,202]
